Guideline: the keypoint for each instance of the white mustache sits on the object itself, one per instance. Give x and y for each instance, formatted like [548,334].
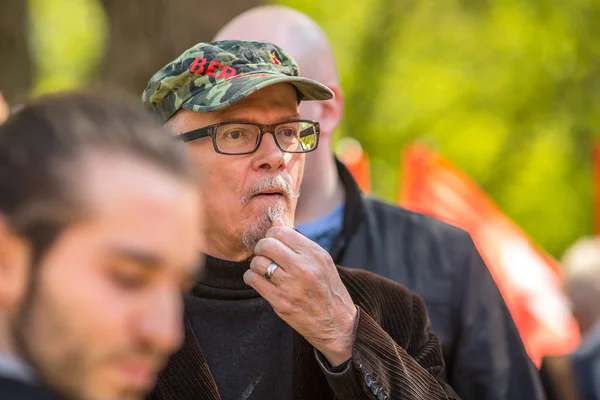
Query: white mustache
[276,183]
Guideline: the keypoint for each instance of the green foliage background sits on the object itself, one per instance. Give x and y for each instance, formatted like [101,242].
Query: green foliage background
[509,90]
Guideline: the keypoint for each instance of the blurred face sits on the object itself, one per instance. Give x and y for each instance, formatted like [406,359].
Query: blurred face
[244,193]
[105,307]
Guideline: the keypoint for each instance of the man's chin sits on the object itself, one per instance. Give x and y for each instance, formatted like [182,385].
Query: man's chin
[263,222]
[268,209]
[121,384]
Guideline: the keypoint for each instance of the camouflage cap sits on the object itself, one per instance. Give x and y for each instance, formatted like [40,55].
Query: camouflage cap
[215,75]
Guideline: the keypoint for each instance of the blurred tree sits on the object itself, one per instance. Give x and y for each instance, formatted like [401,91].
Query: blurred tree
[67,39]
[508,90]
[15,73]
[144,35]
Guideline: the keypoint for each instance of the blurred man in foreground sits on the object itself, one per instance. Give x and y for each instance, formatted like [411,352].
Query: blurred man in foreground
[485,357]
[274,318]
[581,264]
[99,220]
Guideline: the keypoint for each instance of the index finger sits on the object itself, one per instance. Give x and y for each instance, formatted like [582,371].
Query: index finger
[291,238]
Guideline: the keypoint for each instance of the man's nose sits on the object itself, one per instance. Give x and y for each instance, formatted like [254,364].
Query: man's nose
[268,156]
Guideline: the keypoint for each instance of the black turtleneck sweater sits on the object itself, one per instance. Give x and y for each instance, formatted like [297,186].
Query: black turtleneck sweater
[248,348]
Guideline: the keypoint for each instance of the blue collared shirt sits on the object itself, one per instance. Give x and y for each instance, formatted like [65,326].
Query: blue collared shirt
[325,230]
[11,367]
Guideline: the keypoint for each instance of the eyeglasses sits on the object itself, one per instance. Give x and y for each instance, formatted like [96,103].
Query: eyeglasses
[236,138]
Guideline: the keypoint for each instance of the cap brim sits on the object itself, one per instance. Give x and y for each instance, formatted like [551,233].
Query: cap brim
[229,92]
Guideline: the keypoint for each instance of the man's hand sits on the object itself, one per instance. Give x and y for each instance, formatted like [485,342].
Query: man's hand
[305,291]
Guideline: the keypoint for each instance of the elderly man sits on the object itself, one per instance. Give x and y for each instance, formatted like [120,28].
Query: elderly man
[582,284]
[274,318]
[484,355]
[99,223]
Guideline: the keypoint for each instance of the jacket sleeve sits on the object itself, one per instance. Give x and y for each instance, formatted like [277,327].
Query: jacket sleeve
[381,368]
[489,360]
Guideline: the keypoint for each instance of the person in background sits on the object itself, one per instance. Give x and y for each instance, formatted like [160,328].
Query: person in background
[99,224]
[581,263]
[484,355]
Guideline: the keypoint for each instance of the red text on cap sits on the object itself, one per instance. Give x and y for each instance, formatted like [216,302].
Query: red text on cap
[199,67]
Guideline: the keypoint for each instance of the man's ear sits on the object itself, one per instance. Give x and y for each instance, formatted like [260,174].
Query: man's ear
[14,266]
[332,112]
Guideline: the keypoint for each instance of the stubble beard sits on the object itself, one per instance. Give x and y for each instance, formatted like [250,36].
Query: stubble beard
[38,312]
[41,326]
[258,230]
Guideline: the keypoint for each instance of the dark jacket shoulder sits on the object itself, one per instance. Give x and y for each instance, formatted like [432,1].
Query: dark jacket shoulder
[12,389]
[381,237]
[440,263]
[387,209]
[424,253]
[417,227]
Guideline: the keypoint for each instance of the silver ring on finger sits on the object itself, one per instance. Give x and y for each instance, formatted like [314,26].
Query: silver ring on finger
[271,270]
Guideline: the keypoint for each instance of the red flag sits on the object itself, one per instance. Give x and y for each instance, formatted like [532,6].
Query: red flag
[528,278]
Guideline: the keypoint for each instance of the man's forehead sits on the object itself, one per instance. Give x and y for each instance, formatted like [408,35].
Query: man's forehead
[124,188]
[247,113]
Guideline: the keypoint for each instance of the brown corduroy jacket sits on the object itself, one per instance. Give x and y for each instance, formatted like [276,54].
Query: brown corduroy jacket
[395,355]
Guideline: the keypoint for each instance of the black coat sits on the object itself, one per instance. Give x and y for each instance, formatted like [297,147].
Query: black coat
[485,357]
[11,389]
[394,356]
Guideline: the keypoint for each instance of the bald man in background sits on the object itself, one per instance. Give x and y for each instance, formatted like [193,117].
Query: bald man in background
[485,357]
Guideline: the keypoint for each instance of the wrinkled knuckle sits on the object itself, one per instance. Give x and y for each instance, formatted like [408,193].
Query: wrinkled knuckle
[324,258]
[258,247]
[297,295]
[282,281]
[250,277]
[284,307]
[269,243]
[275,232]
[257,262]
[311,275]
[262,246]
[321,252]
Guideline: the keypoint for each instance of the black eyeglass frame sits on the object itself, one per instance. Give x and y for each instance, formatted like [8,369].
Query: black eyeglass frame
[211,130]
